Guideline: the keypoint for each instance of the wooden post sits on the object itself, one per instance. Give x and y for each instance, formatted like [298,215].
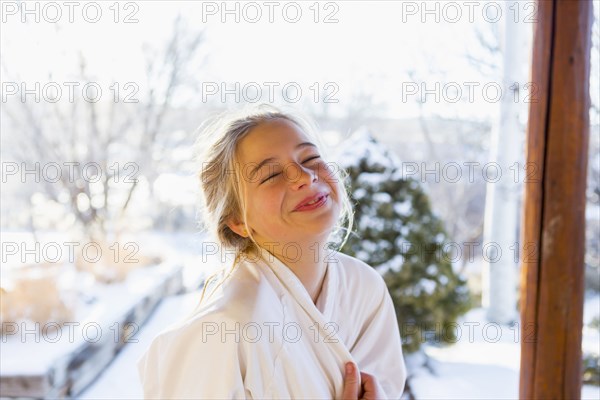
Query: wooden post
[552,252]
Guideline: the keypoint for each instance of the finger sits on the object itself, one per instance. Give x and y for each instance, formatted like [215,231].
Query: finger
[368,382]
[351,382]
[370,385]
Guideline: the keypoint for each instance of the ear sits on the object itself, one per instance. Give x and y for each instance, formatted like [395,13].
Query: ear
[238,227]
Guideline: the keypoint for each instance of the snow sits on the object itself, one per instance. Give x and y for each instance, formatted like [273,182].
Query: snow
[439,238]
[362,255]
[382,197]
[394,264]
[192,249]
[483,363]
[431,269]
[463,378]
[361,144]
[590,392]
[404,231]
[591,337]
[591,308]
[427,285]
[404,208]
[359,193]
[373,179]
[27,353]
[369,246]
[176,189]
[92,323]
[365,223]
[120,380]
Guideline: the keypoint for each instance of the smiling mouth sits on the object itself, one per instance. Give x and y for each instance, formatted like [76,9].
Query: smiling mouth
[315,203]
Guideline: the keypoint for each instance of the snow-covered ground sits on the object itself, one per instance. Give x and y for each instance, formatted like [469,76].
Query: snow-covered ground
[484,362]
[198,257]
[120,380]
[111,301]
[189,249]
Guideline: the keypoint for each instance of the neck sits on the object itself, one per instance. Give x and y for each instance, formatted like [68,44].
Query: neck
[307,260]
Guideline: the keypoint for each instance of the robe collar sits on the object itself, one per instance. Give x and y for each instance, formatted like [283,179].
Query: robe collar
[322,312]
[325,302]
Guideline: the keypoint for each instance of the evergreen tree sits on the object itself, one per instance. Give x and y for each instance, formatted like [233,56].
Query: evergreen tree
[396,232]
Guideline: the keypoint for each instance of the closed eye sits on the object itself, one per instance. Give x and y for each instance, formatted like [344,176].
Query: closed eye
[270,177]
[278,173]
[310,159]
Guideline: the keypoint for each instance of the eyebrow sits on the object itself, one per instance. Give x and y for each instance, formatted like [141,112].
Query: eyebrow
[270,159]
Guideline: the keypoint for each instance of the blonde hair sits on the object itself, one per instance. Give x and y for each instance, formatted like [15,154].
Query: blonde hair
[222,197]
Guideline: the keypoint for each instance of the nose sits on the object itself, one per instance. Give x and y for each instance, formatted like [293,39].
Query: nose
[299,176]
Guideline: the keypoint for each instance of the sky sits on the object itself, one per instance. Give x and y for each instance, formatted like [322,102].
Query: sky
[365,47]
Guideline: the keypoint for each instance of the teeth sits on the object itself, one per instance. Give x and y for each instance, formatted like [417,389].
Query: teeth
[313,201]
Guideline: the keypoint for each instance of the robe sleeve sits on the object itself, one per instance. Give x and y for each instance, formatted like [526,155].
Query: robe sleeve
[188,363]
[379,347]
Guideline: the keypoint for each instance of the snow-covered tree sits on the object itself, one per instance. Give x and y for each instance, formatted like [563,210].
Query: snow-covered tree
[107,153]
[396,232]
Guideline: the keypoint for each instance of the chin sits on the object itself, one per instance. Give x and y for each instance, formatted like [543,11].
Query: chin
[323,226]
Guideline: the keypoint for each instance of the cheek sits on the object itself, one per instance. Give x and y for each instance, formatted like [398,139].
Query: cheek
[267,202]
[327,173]
[329,170]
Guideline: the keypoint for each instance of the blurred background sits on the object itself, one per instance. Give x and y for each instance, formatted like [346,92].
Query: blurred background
[425,104]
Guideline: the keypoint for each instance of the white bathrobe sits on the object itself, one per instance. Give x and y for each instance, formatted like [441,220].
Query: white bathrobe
[260,336]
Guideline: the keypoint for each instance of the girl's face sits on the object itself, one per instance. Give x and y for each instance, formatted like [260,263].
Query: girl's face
[282,171]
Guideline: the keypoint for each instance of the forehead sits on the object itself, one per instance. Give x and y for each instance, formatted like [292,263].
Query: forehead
[269,138]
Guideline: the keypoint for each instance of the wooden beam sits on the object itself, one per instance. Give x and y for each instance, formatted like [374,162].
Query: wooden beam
[552,257]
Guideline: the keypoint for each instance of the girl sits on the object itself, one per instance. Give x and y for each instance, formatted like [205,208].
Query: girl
[290,315]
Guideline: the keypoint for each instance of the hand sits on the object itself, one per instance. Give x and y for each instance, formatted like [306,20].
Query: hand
[360,385]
